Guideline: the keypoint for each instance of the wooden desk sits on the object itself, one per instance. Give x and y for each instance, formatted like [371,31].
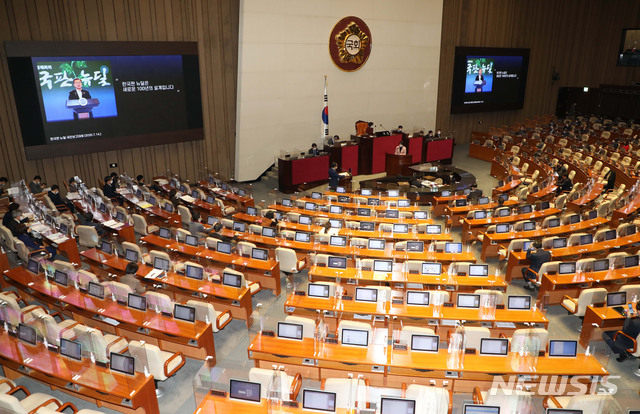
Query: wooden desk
[194,340]
[181,288]
[506,188]
[350,217]
[346,156]
[82,379]
[282,224]
[267,272]
[471,227]
[440,203]
[624,213]
[124,231]
[456,214]
[482,152]
[154,213]
[354,206]
[493,241]
[585,201]
[372,152]
[67,247]
[604,317]
[216,404]
[383,366]
[397,164]
[292,173]
[243,201]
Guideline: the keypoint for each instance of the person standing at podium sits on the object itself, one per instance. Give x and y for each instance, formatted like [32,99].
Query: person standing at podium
[334,177]
[79,93]
[401,149]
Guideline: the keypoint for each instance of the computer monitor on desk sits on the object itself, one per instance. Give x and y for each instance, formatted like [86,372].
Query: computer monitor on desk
[124,364]
[71,349]
[480,409]
[467,300]
[434,269]
[27,334]
[367,226]
[356,337]
[397,406]
[400,228]
[232,280]
[519,302]
[616,298]
[319,400]
[304,219]
[376,244]
[385,266]
[366,294]
[425,343]
[494,346]
[290,331]
[417,298]
[223,247]
[337,262]
[563,348]
[318,290]
[244,390]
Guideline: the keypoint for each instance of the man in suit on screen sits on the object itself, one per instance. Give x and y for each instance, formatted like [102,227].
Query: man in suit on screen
[79,93]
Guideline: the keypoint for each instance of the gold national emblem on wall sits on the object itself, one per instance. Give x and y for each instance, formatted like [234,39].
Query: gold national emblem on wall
[350,43]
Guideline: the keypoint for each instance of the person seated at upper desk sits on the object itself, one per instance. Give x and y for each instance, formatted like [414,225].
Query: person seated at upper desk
[36,185]
[537,256]
[314,150]
[438,133]
[335,140]
[72,185]
[398,130]
[87,220]
[196,227]
[429,134]
[401,149]
[611,181]
[270,220]
[630,328]
[32,243]
[564,184]
[130,279]
[56,198]
[11,218]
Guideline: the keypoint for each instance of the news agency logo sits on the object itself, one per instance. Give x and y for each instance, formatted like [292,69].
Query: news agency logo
[555,385]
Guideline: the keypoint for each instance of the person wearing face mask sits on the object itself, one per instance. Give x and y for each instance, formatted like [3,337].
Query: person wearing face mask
[10,218]
[61,204]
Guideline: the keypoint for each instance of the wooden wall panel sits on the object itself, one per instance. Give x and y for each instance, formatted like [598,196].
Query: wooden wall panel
[212,23]
[577,38]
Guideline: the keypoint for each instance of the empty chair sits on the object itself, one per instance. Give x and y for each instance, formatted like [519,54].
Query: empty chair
[244,248]
[118,290]
[31,403]
[160,302]
[254,287]
[206,312]
[293,217]
[185,214]
[486,293]
[546,268]
[510,402]
[626,161]
[515,149]
[604,208]
[226,223]
[160,364]
[87,236]
[49,328]
[361,326]
[407,331]
[429,399]
[473,335]
[288,260]
[288,234]
[142,257]
[290,385]
[100,344]
[521,339]
[141,227]
[321,260]
[587,297]
[359,242]
[255,229]
[459,268]
[350,392]
[226,210]
[8,239]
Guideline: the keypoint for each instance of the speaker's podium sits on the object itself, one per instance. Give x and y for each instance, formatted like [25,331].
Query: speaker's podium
[82,107]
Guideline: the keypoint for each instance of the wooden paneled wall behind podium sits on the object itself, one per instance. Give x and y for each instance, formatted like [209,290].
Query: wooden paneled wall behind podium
[212,23]
[577,38]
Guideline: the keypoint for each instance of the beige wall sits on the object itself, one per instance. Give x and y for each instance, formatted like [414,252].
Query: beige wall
[283,59]
[212,23]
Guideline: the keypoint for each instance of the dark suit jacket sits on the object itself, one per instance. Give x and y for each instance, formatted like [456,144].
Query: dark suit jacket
[334,178]
[108,191]
[537,258]
[314,151]
[55,198]
[74,95]
[479,78]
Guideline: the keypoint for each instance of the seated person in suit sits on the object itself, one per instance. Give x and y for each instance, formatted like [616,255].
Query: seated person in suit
[334,177]
[78,93]
[130,279]
[11,218]
[3,184]
[333,141]
[564,184]
[87,220]
[271,219]
[32,243]
[611,181]
[109,189]
[401,149]
[537,256]
[314,149]
[631,327]
[72,185]
[398,130]
[438,133]
[36,185]
[54,196]
[429,134]
[196,227]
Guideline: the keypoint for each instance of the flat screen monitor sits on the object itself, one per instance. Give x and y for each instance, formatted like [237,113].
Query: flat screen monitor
[120,217]
[364,212]
[420,215]
[259,254]
[286,202]
[164,232]
[304,219]
[302,237]
[427,343]
[194,272]
[96,290]
[494,346]
[479,270]
[563,348]
[102,208]
[528,226]
[318,290]
[212,220]
[160,263]
[480,409]
[574,219]
[367,226]
[480,215]
[503,197]
[244,390]
[310,206]
[131,255]
[610,235]
[631,230]
[393,193]
[290,331]
[554,222]
[445,193]
[376,244]
[366,294]
[337,262]
[239,226]
[319,400]
[334,209]
[392,213]
[616,298]
[526,209]
[231,279]
[488,79]
[191,240]
[338,241]
[168,207]
[123,364]
[397,406]
[138,302]
[365,191]
[631,261]
[27,334]
[316,195]
[373,201]
[526,245]
[223,247]
[71,349]
[429,268]
[383,266]
[344,199]
[544,205]
[504,212]
[586,239]
[341,190]
[565,411]
[416,297]
[461,202]
[467,300]
[60,277]
[502,228]
[335,223]
[268,232]
[559,243]
[152,200]
[415,246]
[519,302]
[483,200]
[106,247]
[184,313]
[592,214]
[355,337]
[567,268]
[400,228]
[434,229]
[453,247]
[252,211]
[600,265]
[402,203]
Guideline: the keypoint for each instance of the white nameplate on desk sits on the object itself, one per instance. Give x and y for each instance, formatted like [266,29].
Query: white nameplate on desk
[154,274]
